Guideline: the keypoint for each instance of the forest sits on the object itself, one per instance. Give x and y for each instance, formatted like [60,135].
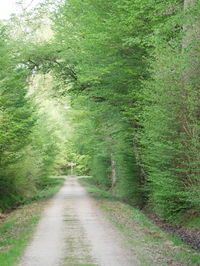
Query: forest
[112,86]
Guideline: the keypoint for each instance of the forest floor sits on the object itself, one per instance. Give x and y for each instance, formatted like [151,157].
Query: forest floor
[93,228]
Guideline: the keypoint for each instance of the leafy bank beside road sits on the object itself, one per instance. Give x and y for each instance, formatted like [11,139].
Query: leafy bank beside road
[17,227]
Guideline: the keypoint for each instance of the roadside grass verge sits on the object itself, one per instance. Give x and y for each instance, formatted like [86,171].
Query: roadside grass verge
[18,226]
[148,242]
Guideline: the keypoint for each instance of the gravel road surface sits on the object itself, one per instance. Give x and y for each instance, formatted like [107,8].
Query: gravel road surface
[74,231]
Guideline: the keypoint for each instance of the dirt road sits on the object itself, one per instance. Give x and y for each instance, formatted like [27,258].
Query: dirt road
[73,231]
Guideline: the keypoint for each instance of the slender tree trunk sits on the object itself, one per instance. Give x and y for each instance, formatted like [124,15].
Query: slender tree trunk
[137,154]
[139,163]
[113,174]
[189,116]
[191,41]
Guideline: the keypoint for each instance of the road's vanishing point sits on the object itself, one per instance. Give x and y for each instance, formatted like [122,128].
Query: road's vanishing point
[74,231]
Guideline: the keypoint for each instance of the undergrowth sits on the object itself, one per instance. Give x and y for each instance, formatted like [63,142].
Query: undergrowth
[48,187]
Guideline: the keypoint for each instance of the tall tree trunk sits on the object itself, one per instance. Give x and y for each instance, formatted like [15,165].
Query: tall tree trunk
[113,173]
[191,41]
[189,114]
[139,163]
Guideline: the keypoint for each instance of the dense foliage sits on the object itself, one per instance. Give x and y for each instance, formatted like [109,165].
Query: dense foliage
[30,143]
[135,79]
[131,71]
[17,121]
